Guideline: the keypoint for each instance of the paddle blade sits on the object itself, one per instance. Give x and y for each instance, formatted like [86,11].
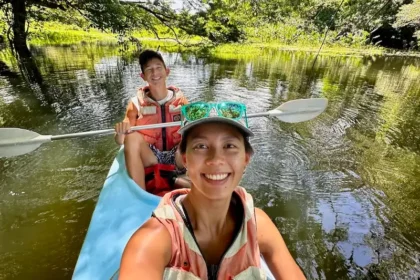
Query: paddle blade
[16,141]
[300,110]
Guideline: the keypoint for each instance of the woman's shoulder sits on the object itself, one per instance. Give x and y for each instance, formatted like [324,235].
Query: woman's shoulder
[151,237]
[149,249]
[262,217]
[152,229]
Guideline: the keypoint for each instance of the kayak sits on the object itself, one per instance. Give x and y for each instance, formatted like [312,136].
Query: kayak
[121,209]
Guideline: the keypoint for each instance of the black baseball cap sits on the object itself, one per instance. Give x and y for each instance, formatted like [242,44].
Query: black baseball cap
[148,55]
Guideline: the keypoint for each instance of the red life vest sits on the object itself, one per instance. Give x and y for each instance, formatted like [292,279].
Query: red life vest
[159,178]
[150,112]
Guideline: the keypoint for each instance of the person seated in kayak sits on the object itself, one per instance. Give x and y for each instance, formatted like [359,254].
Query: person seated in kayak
[153,104]
[212,230]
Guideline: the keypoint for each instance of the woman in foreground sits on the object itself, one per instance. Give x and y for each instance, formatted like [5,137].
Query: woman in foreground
[211,231]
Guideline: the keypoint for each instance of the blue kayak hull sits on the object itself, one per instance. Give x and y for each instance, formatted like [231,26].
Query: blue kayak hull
[121,209]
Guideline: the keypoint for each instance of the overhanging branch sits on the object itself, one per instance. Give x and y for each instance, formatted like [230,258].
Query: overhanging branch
[160,16]
[165,18]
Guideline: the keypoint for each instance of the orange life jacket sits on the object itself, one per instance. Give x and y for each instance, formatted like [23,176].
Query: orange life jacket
[240,261]
[150,112]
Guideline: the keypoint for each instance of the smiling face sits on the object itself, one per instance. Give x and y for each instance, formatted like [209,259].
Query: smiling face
[155,72]
[215,158]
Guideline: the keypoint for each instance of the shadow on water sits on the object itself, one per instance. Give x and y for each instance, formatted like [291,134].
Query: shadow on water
[343,188]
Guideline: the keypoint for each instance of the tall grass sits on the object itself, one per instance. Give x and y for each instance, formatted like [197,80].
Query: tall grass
[292,35]
[55,33]
[261,38]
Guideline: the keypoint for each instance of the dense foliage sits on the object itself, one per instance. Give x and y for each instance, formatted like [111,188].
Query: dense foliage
[349,22]
[409,15]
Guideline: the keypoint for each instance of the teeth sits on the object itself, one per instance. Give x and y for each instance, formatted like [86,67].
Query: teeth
[216,177]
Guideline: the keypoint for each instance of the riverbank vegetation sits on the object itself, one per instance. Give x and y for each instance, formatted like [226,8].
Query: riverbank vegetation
[55,33]
[217,26]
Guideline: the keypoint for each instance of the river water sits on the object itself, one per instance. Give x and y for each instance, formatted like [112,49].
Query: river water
[344,188]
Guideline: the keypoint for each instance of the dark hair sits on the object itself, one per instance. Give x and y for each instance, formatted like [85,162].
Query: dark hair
[148,55]
[183,144]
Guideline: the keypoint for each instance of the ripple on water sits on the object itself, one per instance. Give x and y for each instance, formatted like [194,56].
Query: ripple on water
[256,100]
[279,159]
[347,120]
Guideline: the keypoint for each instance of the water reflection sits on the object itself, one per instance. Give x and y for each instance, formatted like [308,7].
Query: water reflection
[343,188]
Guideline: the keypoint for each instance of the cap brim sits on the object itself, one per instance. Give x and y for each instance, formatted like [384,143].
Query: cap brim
[247,132]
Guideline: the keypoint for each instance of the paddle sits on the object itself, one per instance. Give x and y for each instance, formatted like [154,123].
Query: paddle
[16,141]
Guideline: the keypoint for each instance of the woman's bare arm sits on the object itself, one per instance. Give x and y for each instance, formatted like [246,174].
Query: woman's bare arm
[274,250]
[148,252]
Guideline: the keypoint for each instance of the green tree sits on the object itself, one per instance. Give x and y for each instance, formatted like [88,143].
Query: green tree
[218,20]
[345,17]
[111,15]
